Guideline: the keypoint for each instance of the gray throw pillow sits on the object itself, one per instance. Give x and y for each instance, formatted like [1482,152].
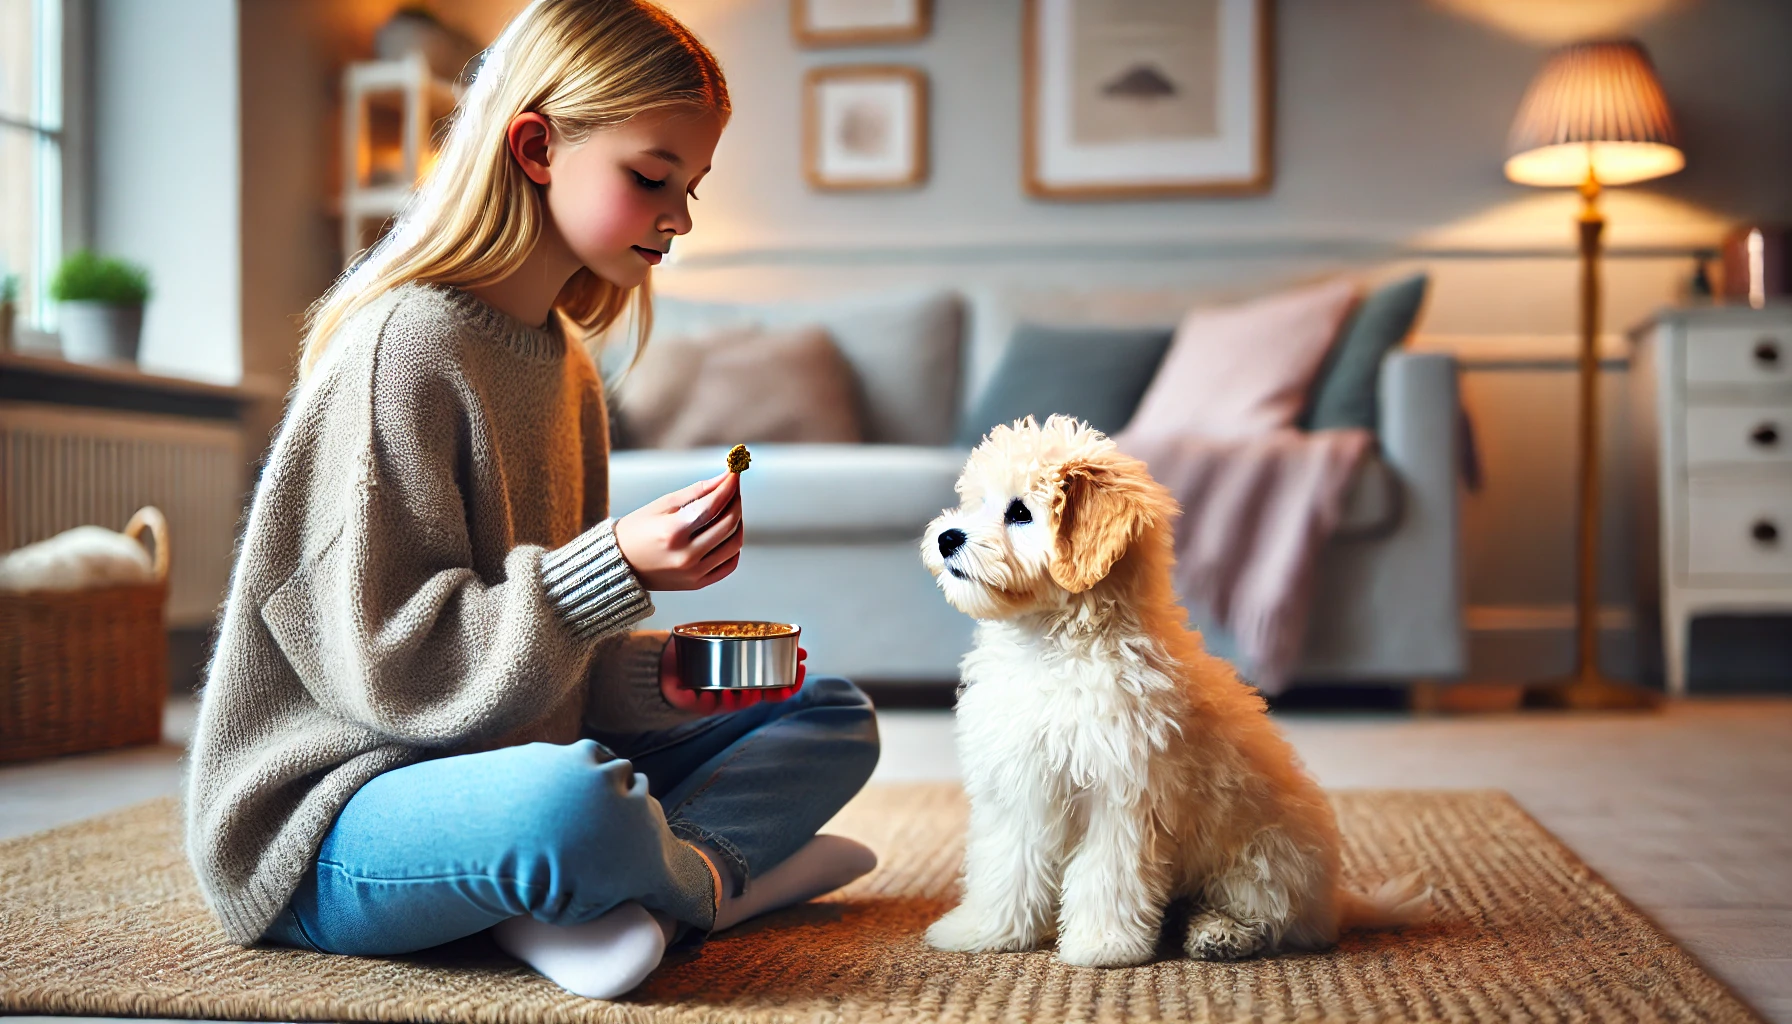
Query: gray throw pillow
[1346,387]
[1096,374]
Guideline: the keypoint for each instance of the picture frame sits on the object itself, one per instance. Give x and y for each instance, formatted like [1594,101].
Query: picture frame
[1123,99]
[865,127]
[827,23]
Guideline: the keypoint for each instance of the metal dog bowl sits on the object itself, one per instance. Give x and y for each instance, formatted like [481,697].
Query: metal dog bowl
[736,655]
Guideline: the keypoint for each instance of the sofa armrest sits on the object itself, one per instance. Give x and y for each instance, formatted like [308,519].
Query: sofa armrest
[1419,410]
[1390,606]
[1421,574]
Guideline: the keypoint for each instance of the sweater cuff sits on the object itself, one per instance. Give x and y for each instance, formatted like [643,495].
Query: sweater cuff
[591,585]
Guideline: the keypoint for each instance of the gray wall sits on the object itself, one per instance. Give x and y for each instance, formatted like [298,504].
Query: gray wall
[165,173]
[1391,118]
[1390,121]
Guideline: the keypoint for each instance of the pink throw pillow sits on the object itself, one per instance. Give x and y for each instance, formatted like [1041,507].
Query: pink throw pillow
[1245,370]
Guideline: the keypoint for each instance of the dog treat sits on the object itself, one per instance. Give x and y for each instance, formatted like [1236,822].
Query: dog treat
[735,630]
[739,458]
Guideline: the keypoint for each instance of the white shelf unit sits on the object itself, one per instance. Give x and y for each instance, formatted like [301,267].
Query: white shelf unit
[1712,408]
[375,187]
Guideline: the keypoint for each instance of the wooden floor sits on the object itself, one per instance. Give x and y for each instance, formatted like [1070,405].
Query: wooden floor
[1687,812]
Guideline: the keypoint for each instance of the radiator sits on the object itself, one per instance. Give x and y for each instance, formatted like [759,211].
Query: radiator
[62,467]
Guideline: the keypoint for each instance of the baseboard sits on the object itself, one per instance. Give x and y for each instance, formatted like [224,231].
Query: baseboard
[1527,643]
[889,694]
[1530,618]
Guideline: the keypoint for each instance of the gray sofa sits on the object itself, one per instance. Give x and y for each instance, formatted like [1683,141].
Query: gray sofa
[833,530]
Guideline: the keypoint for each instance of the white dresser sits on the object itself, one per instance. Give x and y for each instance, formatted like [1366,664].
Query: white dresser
[1711,392]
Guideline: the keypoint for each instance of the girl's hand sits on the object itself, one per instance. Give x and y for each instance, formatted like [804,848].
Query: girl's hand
[711,702]
[687,539]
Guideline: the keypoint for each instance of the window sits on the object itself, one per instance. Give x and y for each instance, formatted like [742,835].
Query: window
[31,144]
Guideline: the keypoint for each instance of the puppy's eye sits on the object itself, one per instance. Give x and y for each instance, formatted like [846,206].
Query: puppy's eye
[1017,513]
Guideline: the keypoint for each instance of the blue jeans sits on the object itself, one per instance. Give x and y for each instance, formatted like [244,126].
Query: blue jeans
[439,850]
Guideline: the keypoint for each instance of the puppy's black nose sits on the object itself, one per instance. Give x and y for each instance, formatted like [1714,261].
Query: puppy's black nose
[951,541]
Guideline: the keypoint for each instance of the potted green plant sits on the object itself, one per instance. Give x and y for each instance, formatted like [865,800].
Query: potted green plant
[101,307]
[9,297]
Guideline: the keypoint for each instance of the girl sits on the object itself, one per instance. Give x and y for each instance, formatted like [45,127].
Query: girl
[427,715]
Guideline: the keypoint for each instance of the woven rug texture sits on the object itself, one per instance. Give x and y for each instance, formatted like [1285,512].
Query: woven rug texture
[103,918]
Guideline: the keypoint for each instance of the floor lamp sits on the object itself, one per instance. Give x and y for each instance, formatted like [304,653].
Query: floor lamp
[1594,116]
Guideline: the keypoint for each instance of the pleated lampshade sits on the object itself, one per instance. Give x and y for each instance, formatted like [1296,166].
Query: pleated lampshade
[1594,107]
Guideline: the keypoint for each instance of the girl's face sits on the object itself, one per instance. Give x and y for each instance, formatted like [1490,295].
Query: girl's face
[617,197]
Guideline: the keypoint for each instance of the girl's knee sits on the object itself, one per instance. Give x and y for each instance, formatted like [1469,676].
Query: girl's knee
[853,719]
[834,692]
[587,828]
[578,791]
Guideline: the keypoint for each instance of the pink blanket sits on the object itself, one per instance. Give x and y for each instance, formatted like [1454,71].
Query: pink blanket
[1254,513]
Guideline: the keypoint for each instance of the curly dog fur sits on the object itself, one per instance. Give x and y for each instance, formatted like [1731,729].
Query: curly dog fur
[1112,764]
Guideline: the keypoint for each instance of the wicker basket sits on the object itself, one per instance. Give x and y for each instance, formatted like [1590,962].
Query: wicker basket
[85,669]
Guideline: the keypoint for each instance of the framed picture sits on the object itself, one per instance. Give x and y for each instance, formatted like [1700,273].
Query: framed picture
[865,127]
[1140,98]
[858,22]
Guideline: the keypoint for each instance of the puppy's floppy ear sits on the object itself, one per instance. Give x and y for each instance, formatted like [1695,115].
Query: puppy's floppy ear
[1103,505]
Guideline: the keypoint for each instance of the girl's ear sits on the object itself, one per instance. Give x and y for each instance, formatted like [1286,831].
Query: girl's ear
[528,139]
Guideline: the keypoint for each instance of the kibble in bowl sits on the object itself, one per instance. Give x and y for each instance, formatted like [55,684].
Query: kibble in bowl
[736,654]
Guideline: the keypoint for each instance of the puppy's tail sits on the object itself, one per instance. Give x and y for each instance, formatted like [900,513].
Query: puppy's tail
[1396,903]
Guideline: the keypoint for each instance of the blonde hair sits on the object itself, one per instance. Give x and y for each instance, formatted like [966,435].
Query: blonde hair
[584,65]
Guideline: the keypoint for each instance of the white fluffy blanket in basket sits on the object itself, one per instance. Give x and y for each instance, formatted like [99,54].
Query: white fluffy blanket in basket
[86,556]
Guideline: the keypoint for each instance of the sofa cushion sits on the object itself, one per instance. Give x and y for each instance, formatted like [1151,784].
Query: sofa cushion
[903,348]
[1344,393]
[1244,370]
[751,385]
[797,492]
[1093,373]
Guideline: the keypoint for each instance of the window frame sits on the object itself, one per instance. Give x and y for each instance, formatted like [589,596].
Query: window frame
[61,117]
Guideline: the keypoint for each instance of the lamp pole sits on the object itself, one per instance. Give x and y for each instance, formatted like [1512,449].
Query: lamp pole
[1587,688]
[1594,115]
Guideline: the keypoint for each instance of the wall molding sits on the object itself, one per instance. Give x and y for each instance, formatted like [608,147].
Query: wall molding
[1105,250]
[1523,351]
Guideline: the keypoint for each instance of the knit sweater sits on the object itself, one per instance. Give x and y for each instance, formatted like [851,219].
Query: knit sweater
[426,570]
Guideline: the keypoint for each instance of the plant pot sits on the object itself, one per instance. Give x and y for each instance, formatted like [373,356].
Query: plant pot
[8,317]
[101,332]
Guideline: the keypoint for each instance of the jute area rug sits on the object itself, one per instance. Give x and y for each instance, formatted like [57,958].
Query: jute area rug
[103,918]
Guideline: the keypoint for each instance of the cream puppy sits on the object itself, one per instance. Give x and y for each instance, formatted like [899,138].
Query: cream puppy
[1112,764]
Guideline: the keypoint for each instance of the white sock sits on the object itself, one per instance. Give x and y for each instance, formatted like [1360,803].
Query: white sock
[599,959]
[824,864]
[609,956]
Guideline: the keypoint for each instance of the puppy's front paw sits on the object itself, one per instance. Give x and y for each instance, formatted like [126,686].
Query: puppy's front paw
[963,930]
[1090,948]
[1216,936]
[956,932]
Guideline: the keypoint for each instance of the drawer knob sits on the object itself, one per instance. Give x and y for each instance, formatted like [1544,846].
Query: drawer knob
[1765,532]
[1766,435]
[1767,353]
